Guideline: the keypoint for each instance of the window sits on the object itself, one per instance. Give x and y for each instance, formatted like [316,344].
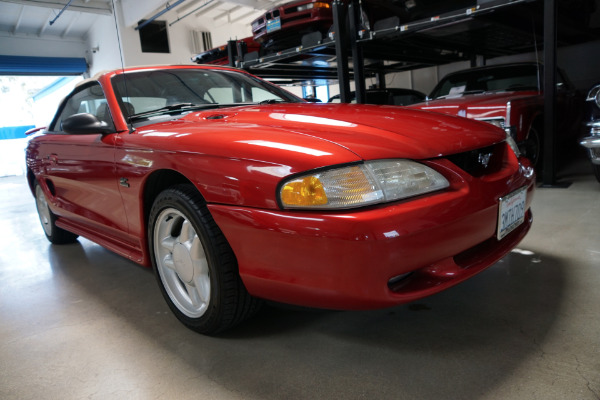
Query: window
[89,99]
[152,89]
[154,37]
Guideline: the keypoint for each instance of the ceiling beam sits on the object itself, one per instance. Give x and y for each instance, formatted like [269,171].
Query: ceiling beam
[184,7]
[206,9]
[70,26]
[227,13]
[254,4]
[94,7]
[19,19]
[244,16]
[46,24]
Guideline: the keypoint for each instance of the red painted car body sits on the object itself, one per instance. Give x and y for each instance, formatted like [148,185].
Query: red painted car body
[219,55]
[509,97]
[102,186]
[282,26]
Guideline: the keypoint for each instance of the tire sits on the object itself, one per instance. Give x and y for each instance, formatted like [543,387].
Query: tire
[195,267]
[54,234]
[596,171]
[533,148]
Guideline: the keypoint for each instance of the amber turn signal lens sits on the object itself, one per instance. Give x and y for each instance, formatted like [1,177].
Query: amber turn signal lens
[308,191]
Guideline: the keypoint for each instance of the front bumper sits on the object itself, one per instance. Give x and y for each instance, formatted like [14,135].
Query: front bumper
[592,143]
[379,256]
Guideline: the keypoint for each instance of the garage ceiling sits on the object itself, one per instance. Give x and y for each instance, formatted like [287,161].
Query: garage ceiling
[34,17]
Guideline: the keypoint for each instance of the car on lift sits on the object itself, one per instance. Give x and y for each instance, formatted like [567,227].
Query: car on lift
[219,55]
[283,26]
[389,96]
[235,190]
[592,142]
[509,96]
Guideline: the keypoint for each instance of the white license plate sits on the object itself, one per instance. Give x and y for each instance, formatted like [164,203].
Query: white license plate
[511,212]
[273,24]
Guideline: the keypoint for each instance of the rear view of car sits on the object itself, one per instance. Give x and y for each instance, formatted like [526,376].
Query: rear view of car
[219,55]
[282,27]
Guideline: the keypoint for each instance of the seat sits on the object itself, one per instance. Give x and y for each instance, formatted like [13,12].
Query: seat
[129,109]
[103,113]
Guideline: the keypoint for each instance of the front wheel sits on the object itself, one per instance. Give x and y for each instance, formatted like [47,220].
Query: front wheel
[195,266]
[54,234]
[533,148]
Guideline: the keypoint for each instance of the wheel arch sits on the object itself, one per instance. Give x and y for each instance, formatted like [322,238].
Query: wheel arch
[31,180]
[157,182]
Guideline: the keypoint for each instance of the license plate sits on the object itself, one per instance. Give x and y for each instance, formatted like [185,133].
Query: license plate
[273,24]
[511,212]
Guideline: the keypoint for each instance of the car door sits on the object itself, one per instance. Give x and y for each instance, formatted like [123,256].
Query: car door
[79,169]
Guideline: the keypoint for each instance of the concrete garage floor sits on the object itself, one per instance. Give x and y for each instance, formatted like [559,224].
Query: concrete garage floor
[79,322]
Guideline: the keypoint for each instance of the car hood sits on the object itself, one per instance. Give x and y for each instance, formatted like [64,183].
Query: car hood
[475,106]
[370,132]
[290,138]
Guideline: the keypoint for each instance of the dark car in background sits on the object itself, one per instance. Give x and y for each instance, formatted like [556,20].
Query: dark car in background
[389,96]
[509,96]
[592,140]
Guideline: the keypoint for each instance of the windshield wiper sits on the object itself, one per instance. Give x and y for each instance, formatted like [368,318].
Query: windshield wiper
[174,107]
[271,101]
[460,94]
[192,106]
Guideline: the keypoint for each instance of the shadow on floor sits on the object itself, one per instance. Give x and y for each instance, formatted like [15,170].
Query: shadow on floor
[455,344]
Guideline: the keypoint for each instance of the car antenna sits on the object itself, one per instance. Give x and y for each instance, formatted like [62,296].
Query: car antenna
[128,117]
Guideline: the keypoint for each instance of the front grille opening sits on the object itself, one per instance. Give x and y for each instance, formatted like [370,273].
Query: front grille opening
[296,18]
[480,162]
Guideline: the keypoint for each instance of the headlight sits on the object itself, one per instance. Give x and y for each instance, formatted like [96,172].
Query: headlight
[513,145]
[594,95]
[317,4]
[499,122]
[360,185]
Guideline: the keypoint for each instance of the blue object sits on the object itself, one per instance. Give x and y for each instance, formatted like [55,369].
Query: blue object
[14,132]
[24,65]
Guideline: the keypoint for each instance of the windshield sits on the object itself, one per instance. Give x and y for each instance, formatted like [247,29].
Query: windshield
[504,78]
[159,91]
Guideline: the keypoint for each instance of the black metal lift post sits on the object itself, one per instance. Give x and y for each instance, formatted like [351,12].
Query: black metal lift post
[358,61]
[341,49]
[549,146]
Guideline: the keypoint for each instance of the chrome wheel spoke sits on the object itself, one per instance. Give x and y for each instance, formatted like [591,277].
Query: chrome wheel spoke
[202,285]
[168,243]
[168,262]
[43,210]
[187,233]
[194,296]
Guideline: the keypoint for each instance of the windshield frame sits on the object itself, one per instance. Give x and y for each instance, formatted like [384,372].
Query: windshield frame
[469,75]
[146,83]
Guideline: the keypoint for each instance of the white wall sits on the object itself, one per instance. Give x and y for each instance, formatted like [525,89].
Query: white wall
[102,48]
[104,36]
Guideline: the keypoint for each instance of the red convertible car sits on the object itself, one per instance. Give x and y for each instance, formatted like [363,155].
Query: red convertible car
[510,97]
[234,190]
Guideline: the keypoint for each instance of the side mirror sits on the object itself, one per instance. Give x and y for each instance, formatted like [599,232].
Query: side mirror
[85,124]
